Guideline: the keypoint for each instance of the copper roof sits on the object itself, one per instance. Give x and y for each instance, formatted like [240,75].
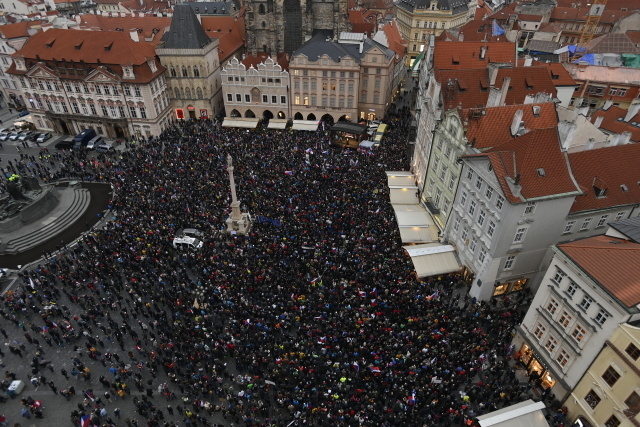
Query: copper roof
[613,263]
[613,169]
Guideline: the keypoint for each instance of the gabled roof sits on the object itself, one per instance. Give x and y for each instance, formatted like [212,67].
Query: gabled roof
[150,28]
[478,31]
[470,88]
[254,60]
[229,31]
[186,32]
[629,227]
[20,29]
[613,263]
[613,43]
[530,18]
[559,75]
[574,14]
[106,47]
[455,6]
[612,169]
[359,24]
[536,162]
[468,54]
[319,46]
[490,127]
[550,27]
[394,40]
[504,13]
[613,122]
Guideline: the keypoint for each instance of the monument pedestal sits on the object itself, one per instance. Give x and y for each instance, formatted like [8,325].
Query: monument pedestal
[238,221]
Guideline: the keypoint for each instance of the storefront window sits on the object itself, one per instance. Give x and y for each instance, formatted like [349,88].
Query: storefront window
[519,285]
[502,288]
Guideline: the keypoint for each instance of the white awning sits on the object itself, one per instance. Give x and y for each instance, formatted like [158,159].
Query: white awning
[308,125]
[239,122]
[524,414]
[403,195]
[415,224]
[277,124]
[400,179]
[432,259]
[418,234]
[366,144]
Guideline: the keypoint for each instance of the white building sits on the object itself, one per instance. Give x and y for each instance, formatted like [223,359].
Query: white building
[590,287]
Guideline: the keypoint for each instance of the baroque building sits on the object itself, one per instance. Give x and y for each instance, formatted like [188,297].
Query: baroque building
[284,25]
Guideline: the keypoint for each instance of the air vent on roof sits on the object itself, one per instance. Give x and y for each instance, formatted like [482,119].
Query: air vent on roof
[79,46]
[619,119]
[624,188]
[541,172]
[108,47]
[536,110]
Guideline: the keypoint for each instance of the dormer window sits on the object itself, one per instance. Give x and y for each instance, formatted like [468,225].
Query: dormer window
[600,192]
[624,188]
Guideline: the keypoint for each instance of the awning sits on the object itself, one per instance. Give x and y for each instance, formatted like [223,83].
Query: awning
[403,195]
[433,258]
[400,178]
[415,224]
[524,414]
[367,144]
[382,128]
[277,124]
[378,137]
[239,122]
[308,125]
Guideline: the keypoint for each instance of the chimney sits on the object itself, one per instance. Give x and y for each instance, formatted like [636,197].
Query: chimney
[528,99]
[134,35]
[483,52]
[590,143]
[494,97]
[515,124]
[505,90]
[528,61]
[608,103]
[493,74]
[598,121]
[625,137]
[631,112]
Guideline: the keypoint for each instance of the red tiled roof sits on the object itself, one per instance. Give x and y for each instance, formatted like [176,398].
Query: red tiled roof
[550,27]
[229,31]
[504,13]
[607,168]
[559,75]
[470,87]
[107,47]
[613,122]
[394,38]
[613,263]
[467,54]
[529,18]
[482,10]
[152,27]
[611,4]
[490,127]
[20,29]
[479,30]
[359,24]
[251,60]
[608,16]
[634,36]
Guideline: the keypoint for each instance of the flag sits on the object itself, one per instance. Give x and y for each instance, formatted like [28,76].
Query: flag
[85,421]
[375,369]
[288,172]
[33,285]
[496,30]
[362,293]
[411,400]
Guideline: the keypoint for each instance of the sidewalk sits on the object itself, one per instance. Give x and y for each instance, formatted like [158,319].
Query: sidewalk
[6,118]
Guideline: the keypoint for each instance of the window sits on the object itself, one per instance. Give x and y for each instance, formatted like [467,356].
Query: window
[115,90]
[585,224]
[578,333]
[499,202]
[559,276]
[136,90]
[551,344]
[571,289]
[121,111]
[472,207]
[474,243]
[75,107]
[265,99]
[470,175]
[539,331]
[491,228]
[586,302]
[91,106]
[481,216]
[633,402]
[565,319]
[465,233]
[552,306]
[478,183]
[563,358]
[456,223]
[482,255]
[104,110]
[601,317]
[612,422]
[488,193]
[463,198]
[230,97]
[445,204]
[238,97]
[283,99]
[603,219]
[520,233]
[127,90]
[633,351]
[569,227]
[106,89]
[531,207]
[274,99]
[610,376]
[619,216]
[443,173]
[592,399]
[452,182]
[132,110]
[508,265]
[143,112]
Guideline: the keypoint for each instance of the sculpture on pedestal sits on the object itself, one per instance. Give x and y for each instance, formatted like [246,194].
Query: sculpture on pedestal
[238,222]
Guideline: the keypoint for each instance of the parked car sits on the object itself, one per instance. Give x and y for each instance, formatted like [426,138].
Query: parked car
[23,113]
[187,243]
[94,142]
[15,135]
[190,232]
[43,137]
[65,144]
[4,136]
[25,136]
[105,148]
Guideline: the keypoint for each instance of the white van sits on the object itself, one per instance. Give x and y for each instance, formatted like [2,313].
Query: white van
[94,142]
[187,243]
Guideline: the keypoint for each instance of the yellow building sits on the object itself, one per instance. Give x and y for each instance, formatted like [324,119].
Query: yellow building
[417,19]
[609,392]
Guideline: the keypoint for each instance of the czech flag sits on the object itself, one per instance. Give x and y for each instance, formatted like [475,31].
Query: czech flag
[85,421]
[375,369]
[288,172]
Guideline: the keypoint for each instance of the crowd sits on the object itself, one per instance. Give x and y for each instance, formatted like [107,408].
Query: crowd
[315,317]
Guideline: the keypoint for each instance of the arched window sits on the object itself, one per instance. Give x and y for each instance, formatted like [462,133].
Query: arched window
[173,72]
[199,93]
[187,93]
[176,91]
[185,73]
[261,9]
[196,71]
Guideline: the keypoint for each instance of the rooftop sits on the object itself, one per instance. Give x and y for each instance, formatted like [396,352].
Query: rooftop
[465,55]
[613,43]
[455,6]
[629,227]
[613,122]
[229,31]
[150,28]
[598,73]
[186,32]
[613,263]
[608,176]
[559,75]
[20,29]
[608,16]
[254,60]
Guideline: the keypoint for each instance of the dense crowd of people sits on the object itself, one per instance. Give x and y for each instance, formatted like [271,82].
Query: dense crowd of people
[315,317]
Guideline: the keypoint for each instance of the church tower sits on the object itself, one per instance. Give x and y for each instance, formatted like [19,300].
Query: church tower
[284,25]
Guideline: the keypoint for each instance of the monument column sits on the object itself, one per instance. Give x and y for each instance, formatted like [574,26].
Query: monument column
[237,222]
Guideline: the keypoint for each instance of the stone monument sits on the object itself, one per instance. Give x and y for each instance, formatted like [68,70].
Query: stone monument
[238,221]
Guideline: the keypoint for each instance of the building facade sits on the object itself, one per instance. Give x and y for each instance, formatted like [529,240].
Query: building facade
[72,80]
[608,393]
[191,60]
[256,87]
[577,308]
[275,26]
